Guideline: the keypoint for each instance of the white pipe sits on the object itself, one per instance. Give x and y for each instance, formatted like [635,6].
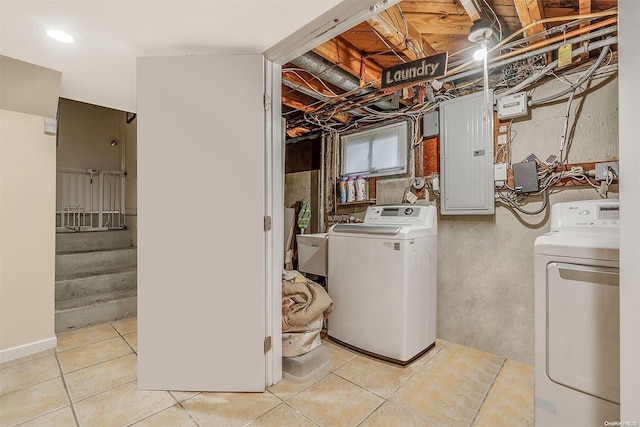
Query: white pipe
[577,84]
[531,79]
[546,49]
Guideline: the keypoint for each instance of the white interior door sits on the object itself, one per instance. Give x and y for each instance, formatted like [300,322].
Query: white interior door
[201,239]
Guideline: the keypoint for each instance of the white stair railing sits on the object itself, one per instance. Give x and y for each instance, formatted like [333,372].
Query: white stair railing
[89,199]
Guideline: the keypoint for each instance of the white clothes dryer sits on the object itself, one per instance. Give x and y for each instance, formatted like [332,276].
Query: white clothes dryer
[577,317]
[382,280]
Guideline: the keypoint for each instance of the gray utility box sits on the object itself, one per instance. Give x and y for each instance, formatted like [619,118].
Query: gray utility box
[525,176]
[466,156]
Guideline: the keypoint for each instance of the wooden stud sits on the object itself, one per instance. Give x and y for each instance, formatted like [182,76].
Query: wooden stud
[584,8]
[530,11]
[430,156]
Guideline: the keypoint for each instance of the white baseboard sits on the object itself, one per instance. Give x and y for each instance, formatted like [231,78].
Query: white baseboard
[23,350]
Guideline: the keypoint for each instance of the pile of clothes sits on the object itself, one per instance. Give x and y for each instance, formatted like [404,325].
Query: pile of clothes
[305,307]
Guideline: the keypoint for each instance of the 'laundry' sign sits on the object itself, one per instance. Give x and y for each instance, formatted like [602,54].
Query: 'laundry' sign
[427,68]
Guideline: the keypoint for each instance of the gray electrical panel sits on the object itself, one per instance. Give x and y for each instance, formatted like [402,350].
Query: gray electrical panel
[466,156]
[430,124]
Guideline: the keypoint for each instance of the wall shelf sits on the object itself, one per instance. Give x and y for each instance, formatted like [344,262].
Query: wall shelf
[358,202]
[371,192]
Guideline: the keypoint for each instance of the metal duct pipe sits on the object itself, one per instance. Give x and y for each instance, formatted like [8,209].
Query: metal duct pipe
[327,71]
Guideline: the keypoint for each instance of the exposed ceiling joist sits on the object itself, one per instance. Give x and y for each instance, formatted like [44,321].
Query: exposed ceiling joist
[441,23]
[472,9]
[351,64]
[531,11]
[394,27]
[350,59]
[297,100]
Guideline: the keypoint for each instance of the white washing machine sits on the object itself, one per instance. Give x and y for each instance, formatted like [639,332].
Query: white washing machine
[577,316]
[382,280]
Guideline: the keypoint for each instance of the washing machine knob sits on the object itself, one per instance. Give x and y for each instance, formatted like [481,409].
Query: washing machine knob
[408,211]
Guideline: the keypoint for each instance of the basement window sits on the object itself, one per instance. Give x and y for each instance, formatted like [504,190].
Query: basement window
[381,151]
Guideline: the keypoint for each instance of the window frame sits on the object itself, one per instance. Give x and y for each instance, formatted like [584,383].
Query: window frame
[403,132]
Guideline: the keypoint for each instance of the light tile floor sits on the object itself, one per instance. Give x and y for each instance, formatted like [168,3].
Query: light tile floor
[90,380]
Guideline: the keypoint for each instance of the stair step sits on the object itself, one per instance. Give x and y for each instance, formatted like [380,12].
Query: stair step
[118,305]
[89,241]
[74,265]
[96,284]
[95,299]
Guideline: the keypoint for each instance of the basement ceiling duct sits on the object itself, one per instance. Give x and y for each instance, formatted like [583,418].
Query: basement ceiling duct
[329,72]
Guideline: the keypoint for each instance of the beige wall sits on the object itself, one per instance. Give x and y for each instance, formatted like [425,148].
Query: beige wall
[85,135]
[27,231]
[485,263]
[301,185]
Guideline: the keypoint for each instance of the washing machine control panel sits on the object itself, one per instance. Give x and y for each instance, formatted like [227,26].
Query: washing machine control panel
[585,214]
[400,214]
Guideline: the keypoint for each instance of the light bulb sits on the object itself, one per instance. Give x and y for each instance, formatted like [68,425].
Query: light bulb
[60,36]
[480,53]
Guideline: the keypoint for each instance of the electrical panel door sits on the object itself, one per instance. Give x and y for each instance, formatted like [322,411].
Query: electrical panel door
[466,155]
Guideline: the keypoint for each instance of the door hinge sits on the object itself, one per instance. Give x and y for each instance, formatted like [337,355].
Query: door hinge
[267,344]
[267,223]
[267,102]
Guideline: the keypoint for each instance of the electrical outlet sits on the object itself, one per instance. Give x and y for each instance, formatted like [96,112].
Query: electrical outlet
[607,171]
[502,139]
[502,129]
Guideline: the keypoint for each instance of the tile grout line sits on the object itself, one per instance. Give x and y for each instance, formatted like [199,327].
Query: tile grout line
[66,389]
[178,403]
[191,417]
[300,413]
[386,399]
[122,336]
[504,361]
[88,343]
[372,412]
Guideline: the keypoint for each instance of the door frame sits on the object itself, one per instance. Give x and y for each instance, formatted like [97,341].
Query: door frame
[342,17]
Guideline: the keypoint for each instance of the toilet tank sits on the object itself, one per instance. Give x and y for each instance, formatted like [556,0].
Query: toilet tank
[312,253]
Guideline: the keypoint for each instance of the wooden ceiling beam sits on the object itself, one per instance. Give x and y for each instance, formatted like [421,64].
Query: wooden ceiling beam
[596,5]
[298,100]
[471,9]
[441,23]
[530,11]
[392,25]
[428,48]
[307,104]
[350,59]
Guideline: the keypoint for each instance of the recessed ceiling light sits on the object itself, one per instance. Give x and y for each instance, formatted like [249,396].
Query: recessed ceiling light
[60,36]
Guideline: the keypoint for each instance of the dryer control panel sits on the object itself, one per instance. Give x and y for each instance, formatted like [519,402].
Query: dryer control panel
[585,214]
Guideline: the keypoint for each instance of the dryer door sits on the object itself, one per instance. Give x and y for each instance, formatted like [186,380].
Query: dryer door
[583,344]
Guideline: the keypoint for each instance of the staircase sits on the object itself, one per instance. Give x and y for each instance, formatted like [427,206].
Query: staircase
[95,278]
